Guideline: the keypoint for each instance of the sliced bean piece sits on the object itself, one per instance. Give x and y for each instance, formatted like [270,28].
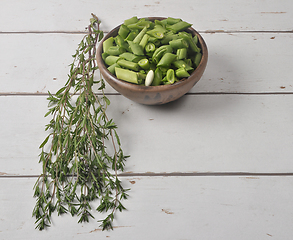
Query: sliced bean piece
[111,60]
[144,40]
[111,68]
[166,60]
[158,76]
[131,35]
[179,43]
[127,64]
[180,26]
[181,53]
[170,76]
[135,48]
[182,64]
[181,73]
[139,36]
[126,75]
[123,31]
[130,57]
[197,59]
[108,43]
[115,50]
[131,20]
[144,64]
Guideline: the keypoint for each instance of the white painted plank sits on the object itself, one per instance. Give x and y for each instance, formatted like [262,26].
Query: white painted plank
[207,208]
[198,133]
[73,15]
[38,63]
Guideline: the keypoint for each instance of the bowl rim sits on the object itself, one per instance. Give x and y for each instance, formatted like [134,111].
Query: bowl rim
[143,88]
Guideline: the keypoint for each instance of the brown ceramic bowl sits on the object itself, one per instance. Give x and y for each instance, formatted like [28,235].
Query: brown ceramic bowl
[153,95]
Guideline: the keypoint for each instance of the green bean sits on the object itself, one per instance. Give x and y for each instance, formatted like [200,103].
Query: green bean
[126,75]
[182,64]
[166,60]
[155,41]
[123,31]
[180,26]
[181,73]
[169,37]
[111,60]
[121,42]
[197,59]
[179,43]
[144,64]
[156,32]
[139,36]
[159,52]
[170,76]
[144,40]
[111,68]
[158,75]
[104,55]
[130,57]
[108,43]
[172,21]
[131,35]
[115,50]
[140,24]
[131,20]
[150,48]
[135,48]
[187,37]
[181,53]
[127,64]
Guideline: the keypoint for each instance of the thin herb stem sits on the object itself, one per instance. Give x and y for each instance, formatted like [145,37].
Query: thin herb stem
[77,156]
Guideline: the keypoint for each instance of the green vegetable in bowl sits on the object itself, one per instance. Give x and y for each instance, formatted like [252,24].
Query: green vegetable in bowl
[162,49]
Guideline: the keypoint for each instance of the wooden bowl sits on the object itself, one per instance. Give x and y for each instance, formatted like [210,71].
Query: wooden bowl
[153,95]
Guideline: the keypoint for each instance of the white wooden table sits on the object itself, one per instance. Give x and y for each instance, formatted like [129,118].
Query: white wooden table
[216,164]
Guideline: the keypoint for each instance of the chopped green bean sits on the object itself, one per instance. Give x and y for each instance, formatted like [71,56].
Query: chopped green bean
[139,36]
[181,73]
[144,40]
[179,43]
[126,75]
[144,64]
[182,64]
[130,57]
[131,36]
[161,47]
[179,26]
[131,20]
[135,48]
[127,64]
[170,76]
[166,60]
[111,68]
[115,50]
[111,60]
[197,59]
[123,31]
[108,43]
[181,53]
[158,76]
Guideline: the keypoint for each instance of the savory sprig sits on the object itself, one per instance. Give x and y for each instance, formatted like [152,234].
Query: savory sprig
[82,154]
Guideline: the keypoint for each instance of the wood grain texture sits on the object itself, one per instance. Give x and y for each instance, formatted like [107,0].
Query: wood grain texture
[38,63]
[216,164]
[198,133]
[68,15]
[207,208]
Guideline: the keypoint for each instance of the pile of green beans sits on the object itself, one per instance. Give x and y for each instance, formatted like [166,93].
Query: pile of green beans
[161,46]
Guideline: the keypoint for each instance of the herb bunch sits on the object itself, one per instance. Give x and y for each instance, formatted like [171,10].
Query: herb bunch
[82,155]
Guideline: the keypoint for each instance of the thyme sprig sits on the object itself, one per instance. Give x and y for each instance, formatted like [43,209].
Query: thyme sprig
[82,154]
